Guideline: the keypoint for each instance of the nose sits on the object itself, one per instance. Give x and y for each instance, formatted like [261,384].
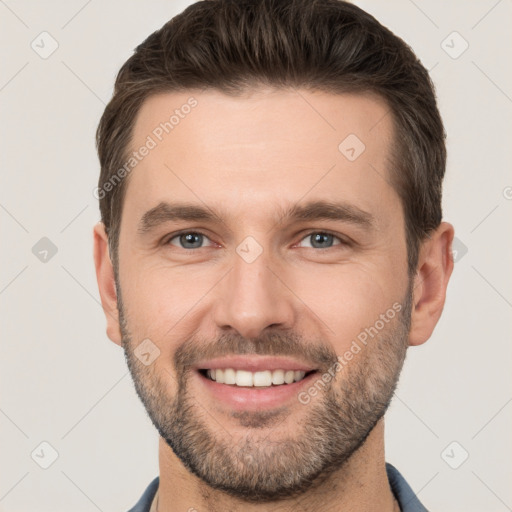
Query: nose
[253,297]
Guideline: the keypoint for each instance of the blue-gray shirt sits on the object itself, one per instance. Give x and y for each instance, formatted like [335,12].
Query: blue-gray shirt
[405,496]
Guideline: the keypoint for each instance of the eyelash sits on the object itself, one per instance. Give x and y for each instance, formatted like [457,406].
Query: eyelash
[343,242]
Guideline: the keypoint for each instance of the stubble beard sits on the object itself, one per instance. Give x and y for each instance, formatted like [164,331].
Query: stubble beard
[268,464]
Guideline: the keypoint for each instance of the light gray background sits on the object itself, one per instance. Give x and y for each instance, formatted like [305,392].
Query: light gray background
[65,383]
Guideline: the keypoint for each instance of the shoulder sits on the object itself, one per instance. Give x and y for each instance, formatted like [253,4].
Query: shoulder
[405,496]
[144,503]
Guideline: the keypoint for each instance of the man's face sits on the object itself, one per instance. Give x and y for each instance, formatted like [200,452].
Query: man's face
[271,280]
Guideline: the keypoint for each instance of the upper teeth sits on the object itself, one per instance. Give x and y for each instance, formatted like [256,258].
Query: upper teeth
[260,379]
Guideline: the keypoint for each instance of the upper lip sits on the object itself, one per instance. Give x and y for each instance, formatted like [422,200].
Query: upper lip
[254,363]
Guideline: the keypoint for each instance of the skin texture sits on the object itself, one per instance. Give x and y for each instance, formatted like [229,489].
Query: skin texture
[247,159]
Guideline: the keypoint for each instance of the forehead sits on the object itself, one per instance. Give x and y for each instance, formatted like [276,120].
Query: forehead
[264,146]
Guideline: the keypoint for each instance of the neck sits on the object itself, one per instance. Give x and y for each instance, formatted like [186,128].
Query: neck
[360,485]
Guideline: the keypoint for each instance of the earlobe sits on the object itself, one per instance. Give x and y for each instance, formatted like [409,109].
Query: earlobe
[106,282]
[435,265]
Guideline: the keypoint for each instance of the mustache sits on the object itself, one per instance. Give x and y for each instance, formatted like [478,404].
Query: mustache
[317,354]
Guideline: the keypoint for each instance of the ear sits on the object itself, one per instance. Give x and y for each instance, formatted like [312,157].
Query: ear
[435,265]
[106,282]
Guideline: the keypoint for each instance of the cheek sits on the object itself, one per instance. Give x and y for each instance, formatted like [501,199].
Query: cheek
[162,303]
[157,294]
[347,299]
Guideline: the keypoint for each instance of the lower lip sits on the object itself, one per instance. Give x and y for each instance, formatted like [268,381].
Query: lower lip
[254,398]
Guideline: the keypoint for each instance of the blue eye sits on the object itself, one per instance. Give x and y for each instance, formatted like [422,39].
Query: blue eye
[195,240]
[322,240]
[189,240]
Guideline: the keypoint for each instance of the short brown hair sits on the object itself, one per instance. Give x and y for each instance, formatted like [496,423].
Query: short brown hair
[326,45]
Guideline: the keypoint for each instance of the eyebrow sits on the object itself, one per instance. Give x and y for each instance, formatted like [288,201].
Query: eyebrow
[312,211]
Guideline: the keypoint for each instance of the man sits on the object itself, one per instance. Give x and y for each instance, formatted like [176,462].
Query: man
[271,244]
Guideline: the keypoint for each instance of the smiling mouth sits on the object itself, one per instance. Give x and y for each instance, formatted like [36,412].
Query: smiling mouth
[259,379]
